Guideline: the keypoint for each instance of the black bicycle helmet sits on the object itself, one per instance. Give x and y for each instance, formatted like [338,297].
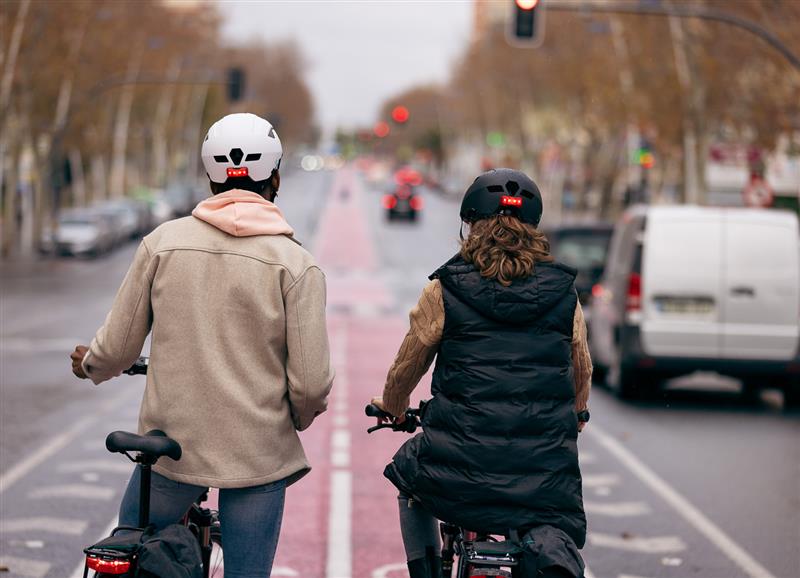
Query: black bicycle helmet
[502,192]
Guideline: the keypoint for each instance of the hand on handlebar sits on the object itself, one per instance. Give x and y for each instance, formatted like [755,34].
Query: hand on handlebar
[378,402]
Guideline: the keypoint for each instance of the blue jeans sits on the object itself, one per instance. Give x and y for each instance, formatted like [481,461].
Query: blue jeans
[250,519]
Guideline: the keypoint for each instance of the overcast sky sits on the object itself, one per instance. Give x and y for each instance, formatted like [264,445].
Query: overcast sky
[359,53]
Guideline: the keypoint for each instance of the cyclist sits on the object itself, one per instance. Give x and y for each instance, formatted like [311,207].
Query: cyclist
[240,358]
[498,449]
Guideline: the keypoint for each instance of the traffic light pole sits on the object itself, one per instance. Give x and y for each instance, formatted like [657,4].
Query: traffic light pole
[680,11]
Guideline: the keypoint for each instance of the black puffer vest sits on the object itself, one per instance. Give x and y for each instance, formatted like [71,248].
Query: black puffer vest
[499,444]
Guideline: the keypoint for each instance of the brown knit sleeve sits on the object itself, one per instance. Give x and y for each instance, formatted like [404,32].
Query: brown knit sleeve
[581,360]
[417,350]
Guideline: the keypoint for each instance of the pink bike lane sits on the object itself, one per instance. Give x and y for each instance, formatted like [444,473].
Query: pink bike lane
[341,520]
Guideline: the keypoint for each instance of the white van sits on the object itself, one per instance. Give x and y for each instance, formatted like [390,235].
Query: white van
[690,288]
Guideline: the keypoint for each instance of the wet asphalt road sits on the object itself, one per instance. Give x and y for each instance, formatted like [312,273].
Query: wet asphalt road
[657,473]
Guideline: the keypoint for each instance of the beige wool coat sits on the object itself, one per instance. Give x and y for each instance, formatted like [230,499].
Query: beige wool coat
[239,357]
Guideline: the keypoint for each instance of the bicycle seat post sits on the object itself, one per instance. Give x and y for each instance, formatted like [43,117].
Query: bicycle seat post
[145,471]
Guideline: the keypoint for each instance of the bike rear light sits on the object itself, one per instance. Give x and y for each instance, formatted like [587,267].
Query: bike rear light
[389,202]
[633,300]
[240,172]
[108,566]
[416,203]
[507,201]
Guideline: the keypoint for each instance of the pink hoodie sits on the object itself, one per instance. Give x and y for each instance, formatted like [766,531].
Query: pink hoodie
[243,214]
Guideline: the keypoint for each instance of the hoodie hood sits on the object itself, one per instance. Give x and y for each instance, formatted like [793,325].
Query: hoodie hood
[243,214]
[519,304]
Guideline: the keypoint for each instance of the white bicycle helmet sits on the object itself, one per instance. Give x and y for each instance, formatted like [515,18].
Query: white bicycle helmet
[241,145]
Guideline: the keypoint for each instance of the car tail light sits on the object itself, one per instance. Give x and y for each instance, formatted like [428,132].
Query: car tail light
[633,300]
[108,566]
[389,202]
[416,203]
[597,290]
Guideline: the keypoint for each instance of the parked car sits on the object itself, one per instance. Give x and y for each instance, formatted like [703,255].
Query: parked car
[82,232]
[700,289]
[584,247]
[403,203]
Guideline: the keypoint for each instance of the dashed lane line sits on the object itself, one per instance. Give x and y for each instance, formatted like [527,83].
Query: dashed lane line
[616,509]
[115,466]
[339,562]
[64,526]
[24,567]
[655,545]
[600,480]
[58,442]
[80,491]
[686,509]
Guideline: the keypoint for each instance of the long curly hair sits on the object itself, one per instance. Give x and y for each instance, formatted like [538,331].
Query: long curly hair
[504,248]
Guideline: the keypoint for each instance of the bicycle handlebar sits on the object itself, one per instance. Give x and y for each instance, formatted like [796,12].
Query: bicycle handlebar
[139,367]
[408,425]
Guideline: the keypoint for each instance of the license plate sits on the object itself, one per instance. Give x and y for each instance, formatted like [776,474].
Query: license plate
[684,305]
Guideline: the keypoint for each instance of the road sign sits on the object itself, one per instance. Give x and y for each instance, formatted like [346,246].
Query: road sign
[758,193]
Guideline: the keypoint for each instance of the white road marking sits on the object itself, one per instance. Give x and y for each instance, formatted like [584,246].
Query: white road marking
[657,545]
[602,491]
[340,540]
[284,571]
[616,509]
[340,421]
[24,567]
[586,458]
[587,573]
[598,480]
[385,571]
[82,491]
[671,561]
[56,443]
[39,345]
[63,526]
[686,509]
[629,576]
[339,527]
[116,466]
[43,453]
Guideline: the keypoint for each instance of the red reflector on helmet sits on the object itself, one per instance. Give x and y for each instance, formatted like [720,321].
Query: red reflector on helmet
[507,201]
[240,172]
[108,566]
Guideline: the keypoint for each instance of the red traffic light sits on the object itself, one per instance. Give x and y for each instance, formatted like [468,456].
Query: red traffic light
[400,114]
[527,4]
[381,129]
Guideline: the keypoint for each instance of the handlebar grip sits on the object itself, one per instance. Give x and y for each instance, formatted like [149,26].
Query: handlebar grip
[373,410]
[139,367]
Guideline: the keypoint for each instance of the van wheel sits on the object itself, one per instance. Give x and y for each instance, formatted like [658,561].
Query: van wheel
[791,395]
[625,382]
[599,374]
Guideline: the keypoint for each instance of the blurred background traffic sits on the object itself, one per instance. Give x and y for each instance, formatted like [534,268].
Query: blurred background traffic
[664,135]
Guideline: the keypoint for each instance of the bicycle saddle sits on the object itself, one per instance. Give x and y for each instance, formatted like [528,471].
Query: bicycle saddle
[154,443]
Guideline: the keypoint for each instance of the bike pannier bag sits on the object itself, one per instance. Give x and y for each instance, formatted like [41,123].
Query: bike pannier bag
[170,553]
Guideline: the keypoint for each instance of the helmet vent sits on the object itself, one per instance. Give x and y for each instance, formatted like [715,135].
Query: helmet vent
[253,157]
[221,158]
[236,156]
[495,189]
[527,194]
[512,187]
[272,132]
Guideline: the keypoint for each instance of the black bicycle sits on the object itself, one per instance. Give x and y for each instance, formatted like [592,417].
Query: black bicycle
[479,555]
[117,555]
